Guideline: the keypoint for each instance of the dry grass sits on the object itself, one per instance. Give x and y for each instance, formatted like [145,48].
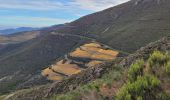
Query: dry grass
[109,52]
[51,75]
[2,97]
[90,50]
[93,63]
[94,51]
[55,77]
[80,53]
[46,72]
[102,57]
[67,69]
[92,45]
[110,91]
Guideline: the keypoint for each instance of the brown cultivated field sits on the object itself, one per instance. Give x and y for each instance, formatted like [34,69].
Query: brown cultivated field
[95,51]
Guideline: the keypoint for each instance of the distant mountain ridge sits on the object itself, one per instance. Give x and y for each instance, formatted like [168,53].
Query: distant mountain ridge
[15,30]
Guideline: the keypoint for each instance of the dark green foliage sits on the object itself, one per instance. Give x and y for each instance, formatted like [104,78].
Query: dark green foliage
[144,85]
[143,88]
[167,68]
[158,58]
[159,61]
[135,70]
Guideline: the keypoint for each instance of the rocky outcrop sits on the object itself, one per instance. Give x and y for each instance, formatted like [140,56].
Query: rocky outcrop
[66,85]
[162,45]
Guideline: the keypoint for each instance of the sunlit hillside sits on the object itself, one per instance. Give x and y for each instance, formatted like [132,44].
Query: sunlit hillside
[94,51]
[87,55]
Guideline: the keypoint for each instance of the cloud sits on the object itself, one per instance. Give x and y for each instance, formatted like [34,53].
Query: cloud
[43,19]
[72,9]
[93,5]
[96,5]
[30,4]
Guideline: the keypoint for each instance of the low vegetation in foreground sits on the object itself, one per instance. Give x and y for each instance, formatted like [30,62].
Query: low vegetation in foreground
[144,80]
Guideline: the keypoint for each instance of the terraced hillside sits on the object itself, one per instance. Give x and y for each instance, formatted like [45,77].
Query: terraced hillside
[87,55]
[111,76]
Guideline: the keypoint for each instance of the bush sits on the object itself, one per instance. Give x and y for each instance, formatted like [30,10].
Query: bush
[159,63]
[167,68]
[114,74]
[143,85]
[158,59]
[139,89]
[69,96]
[135,70]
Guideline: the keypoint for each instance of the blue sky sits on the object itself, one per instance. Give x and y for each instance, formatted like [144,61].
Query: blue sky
[39,13]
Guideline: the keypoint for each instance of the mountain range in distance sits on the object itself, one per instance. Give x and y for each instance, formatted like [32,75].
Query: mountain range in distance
[15,30]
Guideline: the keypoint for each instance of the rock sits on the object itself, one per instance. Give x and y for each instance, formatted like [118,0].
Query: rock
[162,45]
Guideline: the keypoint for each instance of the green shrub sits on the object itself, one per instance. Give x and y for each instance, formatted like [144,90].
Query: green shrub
[141,85]
[167,68]
[123,93]
[135,70]
[69,96]
[159,62]
[144,85]
[158,58]
[139,98]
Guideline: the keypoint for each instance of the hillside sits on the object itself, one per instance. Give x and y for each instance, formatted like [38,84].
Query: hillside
[18,37]
[144,80]
[23,34]
[85,56]
[111,76]
[126,27]
[123,28]
[23,64]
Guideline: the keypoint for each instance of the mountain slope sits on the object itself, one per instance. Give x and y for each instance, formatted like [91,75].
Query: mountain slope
[83,57]
[26,61]
[126,27]
[91,74]
[18,37]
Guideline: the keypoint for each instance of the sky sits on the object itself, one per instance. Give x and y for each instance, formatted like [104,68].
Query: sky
[41,13]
